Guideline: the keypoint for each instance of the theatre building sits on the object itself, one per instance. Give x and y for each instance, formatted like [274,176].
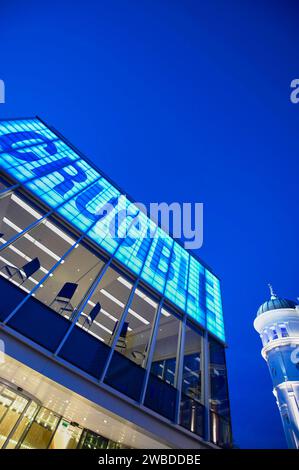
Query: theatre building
[108,340]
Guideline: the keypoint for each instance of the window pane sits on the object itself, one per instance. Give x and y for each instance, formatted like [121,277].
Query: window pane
[13,406]
[67,436]
[41,430]
[22,426]
[140,320]
[126,369]
[65,288]
[45,244]
[25,263]
[218,379]
[112,296]
[192,369]
[161,393]
[91,440]
[88,345]
[219,400]
[192,412]
[15,215]
[165,354]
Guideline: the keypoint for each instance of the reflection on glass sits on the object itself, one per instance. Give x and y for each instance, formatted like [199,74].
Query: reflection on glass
[41,430]
[67,436]
[15,215]
[22,426]
[65,288]
[26,261]
[134,339]
[220,431]
[91,440]
[11,407]
[191,385]
[218,379]
[191,410]
[112,296]
[166,348]
[219,400]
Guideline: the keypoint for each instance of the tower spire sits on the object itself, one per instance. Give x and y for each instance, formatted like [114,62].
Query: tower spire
[272,293]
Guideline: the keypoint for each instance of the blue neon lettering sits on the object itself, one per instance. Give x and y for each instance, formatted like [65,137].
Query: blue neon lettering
[160,256]
[8,140]
[182,280]
[143,248]
[117,222]
[87,196]
[68,180]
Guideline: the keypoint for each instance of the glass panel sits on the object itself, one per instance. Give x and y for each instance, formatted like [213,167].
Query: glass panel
[91,440]
[116,445]
[166,348]
[65,288]
[283,331]
[219,400]
[87,346]
[15,215]
[41,430]
[12,405]
[5,402]
[112,296]
[45,244]
[139,321]
[192,370]
[25,263]
[161,394]
[215,322]
[192,415]
[22,426]
[220,431]
[67,436]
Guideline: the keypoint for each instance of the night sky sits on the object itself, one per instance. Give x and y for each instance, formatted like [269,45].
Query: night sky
[182,101]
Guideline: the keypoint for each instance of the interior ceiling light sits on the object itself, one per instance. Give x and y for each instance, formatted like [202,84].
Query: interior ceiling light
[20,253]
[31,239]
[37,215]
[121,304]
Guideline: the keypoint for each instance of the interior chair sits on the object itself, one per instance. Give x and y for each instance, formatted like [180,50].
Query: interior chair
[139,356]
[92,315]
[122,340]
[24,272]
[63,298]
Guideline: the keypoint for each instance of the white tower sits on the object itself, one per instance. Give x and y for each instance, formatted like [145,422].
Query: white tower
[277,323]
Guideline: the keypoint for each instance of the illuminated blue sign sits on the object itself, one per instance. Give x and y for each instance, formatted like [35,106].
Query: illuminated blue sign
[39,159]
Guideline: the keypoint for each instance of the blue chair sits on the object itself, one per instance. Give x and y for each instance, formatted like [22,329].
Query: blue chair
[24,272]
[122,340]
[92,315]
[63,298]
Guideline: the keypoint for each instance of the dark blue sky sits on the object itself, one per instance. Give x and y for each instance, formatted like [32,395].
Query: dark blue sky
[182,101]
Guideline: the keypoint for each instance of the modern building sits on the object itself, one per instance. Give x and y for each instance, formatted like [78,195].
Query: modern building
[109,340]
[277,323]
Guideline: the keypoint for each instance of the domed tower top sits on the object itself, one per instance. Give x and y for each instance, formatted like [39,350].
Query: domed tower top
[277,318]
[275,303]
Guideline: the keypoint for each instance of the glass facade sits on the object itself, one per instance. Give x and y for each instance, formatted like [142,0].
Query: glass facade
[50,169]
[130,313]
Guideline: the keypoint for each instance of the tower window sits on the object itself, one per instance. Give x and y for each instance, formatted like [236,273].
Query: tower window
[283,331]
[274,333]
[265,338]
